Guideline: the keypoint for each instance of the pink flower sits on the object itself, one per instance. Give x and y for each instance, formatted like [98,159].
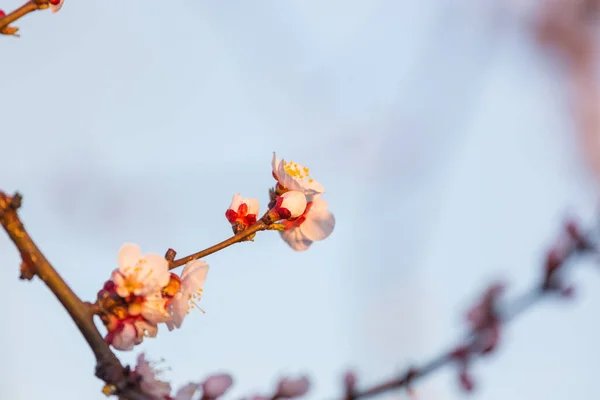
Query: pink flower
[190,291]
[149,382]
[293,176]
[187,392]
[316,223]
[216,386]
[139,275]
[289,388]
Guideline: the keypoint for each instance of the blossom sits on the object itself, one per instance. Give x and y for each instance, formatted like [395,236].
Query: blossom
[139,275]
[316,223]
[242,212]
[190,290]
[186,392]
[290,205]
[55,5]
[293,176]
[149,383]
[289,388]
[216,386]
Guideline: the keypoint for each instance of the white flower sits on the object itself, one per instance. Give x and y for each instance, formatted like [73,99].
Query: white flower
[187,392]
[315,224]
[216,385]
[139,275]
[293,176]
[150,384]
[124,338]
[289,388]
[190,290]
[56,7]
[153,308]
[290,204]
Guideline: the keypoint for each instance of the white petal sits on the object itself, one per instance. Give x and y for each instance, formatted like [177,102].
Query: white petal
[179,308]
[144,328]
[193,276]
[253,206]
[294,238]
[158,272]
[216,385]
[235,202]
[275,163]
[187,392]
[314,187]
[129,255]
[295,202]
[318,203]
[318,225]
[153,309]
[125,339]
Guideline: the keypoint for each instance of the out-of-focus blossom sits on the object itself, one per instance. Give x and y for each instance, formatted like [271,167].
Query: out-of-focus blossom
[150,384]
[56,5]
[290,205]
[190,291]
[139,275]
[293,176]
[216,386]
[316,223]
[242,212]
[289,388]
[186,392]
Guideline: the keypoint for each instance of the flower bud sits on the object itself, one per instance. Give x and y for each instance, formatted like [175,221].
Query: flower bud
[291,204]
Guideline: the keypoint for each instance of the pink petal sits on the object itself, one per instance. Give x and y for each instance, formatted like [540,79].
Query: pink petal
[193,276]
[125,340]
[187,392]
[129,255]
[216,385]
[289,388]
[235,202]
[318,225]
[295,239]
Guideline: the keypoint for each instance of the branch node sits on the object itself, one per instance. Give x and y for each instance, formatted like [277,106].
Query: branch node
[170,255]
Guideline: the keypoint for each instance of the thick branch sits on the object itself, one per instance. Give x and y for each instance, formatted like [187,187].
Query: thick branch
[108,366]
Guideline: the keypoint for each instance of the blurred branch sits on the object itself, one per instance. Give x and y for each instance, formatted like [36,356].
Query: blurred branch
[108,367]
[486,318]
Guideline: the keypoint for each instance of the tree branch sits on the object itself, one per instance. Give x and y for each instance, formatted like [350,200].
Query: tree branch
[260,225]
[20,12]
[108,367]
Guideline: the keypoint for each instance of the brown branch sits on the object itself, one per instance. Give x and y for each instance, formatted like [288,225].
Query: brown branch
[108,367]
[260,225]
[20,12]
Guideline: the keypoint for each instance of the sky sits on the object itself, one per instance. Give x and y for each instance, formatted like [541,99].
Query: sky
[440,136]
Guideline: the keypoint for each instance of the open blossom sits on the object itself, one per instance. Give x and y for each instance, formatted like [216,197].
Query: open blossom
[150,384]
[242,211]
[139,275]
[293,176]
[290,205]
[316,223]
[190,291]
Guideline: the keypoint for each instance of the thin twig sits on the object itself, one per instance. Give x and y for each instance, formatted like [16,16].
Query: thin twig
[20,12]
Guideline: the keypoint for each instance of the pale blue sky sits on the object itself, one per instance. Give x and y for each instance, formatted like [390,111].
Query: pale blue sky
[443,144]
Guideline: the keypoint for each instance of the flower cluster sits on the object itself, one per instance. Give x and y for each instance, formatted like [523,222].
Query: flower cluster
[297,198]
[296,208]
[143,293]
[147,376]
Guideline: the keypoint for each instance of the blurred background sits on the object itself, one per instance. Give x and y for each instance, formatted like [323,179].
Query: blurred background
[452,137]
